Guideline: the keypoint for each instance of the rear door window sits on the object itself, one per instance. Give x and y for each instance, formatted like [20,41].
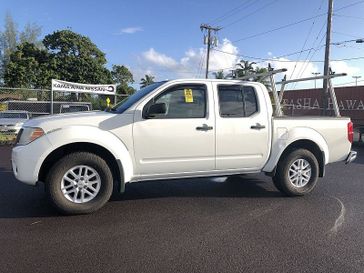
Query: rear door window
[237,101]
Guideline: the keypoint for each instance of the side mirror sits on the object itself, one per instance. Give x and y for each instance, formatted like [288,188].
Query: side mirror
[158,108]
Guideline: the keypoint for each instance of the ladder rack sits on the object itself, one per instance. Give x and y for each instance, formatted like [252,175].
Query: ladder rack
[278,97]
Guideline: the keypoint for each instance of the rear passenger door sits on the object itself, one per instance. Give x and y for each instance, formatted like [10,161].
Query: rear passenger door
[242,127]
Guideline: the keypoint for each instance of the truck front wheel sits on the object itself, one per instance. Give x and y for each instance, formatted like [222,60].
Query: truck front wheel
[297,173]
[79,183]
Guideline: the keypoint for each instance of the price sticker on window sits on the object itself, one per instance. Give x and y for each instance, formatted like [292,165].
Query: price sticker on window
[188,95]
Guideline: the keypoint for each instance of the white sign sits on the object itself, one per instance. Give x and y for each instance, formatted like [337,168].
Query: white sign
[63,86]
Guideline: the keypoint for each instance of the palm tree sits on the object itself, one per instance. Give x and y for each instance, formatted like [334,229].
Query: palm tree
[219,74]
[246,68]
[147,80]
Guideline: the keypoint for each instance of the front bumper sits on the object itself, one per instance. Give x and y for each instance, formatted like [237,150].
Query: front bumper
[351,157]
[26,160]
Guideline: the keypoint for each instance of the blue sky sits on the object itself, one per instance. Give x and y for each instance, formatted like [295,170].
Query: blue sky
[163,37]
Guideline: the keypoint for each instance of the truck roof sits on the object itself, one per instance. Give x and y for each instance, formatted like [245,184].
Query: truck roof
[208,80]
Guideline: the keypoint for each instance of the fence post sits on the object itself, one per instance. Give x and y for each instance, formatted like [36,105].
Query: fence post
[52,100]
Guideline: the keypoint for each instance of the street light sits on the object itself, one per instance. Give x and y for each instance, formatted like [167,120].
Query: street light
[356,79]
[315,74]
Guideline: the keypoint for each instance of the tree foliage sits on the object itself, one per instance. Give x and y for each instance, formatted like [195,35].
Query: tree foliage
[219,74]
[65,55]
[122,76]
[245,68]
[29,67]
[147,80]
[76,58]
[10,38]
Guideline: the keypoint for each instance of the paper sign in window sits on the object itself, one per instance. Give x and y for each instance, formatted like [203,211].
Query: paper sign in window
[188,95]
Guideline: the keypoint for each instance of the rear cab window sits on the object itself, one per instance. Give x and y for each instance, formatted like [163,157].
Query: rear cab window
[237,101]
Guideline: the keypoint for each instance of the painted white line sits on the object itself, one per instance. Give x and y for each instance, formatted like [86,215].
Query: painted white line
[339,220]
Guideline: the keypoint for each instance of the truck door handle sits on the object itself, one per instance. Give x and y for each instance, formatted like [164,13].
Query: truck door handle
[257,126]
[204,127]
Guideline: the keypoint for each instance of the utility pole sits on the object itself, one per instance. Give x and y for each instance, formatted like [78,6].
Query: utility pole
[325,94]
[315,74]
[356,79]
[210,41]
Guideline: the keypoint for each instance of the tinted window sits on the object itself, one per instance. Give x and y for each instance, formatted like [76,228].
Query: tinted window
[237,101]
[183,101]
[129,101]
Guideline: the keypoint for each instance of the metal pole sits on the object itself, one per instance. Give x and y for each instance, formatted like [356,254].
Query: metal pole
[278,110]
[316,74]
[325,90]
[356,79]
[209,42]
[52,100]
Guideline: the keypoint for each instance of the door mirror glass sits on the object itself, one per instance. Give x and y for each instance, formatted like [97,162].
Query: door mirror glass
[157,109]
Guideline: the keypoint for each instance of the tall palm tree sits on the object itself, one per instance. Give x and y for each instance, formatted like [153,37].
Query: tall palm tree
[147,80]
[219,74]
[245,68]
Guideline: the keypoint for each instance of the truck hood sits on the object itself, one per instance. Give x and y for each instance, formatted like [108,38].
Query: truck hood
[48,123]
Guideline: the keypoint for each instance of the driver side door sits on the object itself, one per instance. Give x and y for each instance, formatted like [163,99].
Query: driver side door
[179,141]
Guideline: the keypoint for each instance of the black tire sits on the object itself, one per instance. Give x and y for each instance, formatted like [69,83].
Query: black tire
[282,181]
[55,177]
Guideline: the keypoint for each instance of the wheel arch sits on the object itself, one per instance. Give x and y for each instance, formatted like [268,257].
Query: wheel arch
[310,146]
[307,144]
[115,164]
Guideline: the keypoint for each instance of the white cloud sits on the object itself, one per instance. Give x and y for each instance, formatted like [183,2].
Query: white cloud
[295,70]
[191,65]
[129,30]
[344,67]
[159,59]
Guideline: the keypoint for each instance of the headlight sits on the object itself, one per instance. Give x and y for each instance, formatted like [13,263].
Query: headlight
[29,134]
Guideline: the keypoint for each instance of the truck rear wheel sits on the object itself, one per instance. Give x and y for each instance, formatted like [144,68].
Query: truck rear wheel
[79,183]
[297,173]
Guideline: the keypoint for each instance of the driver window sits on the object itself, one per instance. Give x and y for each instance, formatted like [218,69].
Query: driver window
[183,101]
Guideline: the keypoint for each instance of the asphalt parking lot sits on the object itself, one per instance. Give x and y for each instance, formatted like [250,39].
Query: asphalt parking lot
[196,225]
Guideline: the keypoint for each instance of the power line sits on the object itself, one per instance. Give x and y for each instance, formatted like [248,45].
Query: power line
[350,5]
[294,23]
[312,51]
[233,11]
[304,44]
[346,83]
[276,59]
[249,14]
[279,28]
[360,40]
[346,34]
[348,16]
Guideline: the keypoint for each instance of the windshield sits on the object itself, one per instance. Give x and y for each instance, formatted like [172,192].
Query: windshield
[129,101]
[14,115]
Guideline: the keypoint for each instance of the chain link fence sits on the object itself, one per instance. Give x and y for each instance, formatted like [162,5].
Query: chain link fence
[17,105]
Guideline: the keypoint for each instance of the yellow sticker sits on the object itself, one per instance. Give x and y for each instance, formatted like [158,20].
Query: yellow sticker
[188,95]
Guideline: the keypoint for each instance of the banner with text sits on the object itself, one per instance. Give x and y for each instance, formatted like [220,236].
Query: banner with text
[63,86]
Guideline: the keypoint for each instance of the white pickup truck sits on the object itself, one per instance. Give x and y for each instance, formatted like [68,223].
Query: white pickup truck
[176,129]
